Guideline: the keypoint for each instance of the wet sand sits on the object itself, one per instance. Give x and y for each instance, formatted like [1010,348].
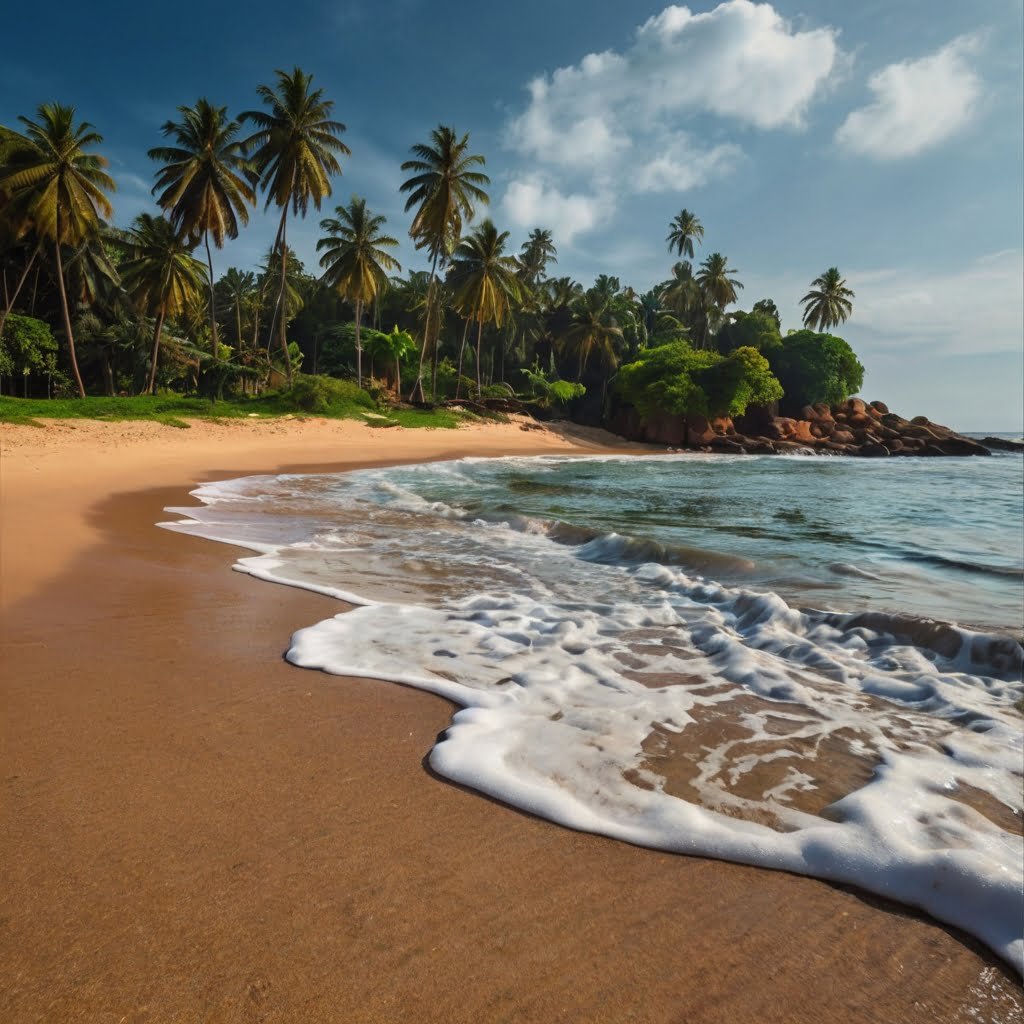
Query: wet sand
[193,830]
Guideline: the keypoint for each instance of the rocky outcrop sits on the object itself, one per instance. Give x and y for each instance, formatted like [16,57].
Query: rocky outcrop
[854,427]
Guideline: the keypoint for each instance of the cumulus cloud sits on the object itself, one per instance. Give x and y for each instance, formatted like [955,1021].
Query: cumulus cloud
[918,104]
[613,123]
[531,201]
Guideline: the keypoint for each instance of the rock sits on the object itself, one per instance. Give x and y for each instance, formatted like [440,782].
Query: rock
[723,425]
[719,443]
[920,421]
[838,449]
[804,432]
[880,407]
[1002,444]
[859,419]
[843,437]
[824,411]
[892,420]
[930,449]
[961,446]
[855,406]
[758,446]
[873,451]
[808,412]
[895,445]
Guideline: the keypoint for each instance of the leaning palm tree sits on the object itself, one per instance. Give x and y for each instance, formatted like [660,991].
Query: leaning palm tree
[444,188]
[355,261]
[592,329]
[53,182]
[206,183]
[828,303]
[160,273]
[484,283]
[295,149]
[682,231]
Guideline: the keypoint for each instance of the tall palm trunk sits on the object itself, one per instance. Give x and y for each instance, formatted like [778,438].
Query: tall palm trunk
[213,301]
[479,335]
[359,347]
[12,299]
[418,386]
[281,298]
[67,319]
[151,386]
[462,348]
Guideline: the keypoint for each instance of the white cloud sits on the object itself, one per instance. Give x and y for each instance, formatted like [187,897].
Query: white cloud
[681,165]
[612,123]
[531,202]
[918,104]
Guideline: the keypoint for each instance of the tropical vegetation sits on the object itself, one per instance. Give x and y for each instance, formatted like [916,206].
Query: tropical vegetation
[132,310]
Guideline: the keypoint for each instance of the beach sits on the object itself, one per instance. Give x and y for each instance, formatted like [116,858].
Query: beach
[196,830]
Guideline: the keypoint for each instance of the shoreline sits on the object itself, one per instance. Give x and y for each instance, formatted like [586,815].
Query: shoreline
[197,829]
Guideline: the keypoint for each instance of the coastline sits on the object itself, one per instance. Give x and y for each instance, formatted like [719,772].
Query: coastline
[199,830]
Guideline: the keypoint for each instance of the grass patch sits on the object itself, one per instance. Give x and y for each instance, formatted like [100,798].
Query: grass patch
[308,396]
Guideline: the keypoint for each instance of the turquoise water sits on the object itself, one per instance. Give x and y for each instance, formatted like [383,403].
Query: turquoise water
[942,538]
[721,656]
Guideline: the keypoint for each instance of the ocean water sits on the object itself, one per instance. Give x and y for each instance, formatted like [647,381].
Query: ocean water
[807,664]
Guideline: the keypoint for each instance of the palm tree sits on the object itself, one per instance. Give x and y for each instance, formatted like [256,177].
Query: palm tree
[160,273]
[717,288]
[828,302]
[295,149]
[536,253]
[206,182]
[355,261]
[484,283]
[592,329]
[53,182]
[239,288]
[682,231]
[444,187]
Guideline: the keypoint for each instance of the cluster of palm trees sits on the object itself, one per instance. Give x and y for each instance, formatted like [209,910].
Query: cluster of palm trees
[54,202]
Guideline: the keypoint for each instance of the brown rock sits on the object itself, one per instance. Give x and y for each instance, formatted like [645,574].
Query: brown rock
[843,437]
[721,443]
[873,451]
[920,421]
[859,419]
[961,446]
[824,411]
[855,406]
[880,407]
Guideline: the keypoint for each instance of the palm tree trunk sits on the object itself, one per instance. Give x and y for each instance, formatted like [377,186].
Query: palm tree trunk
[213,305]
[67,322]
[151,387]
[479,335]
[12,299]
[359,347]
[35,288]
[281,300]
[418,386]
[462,349]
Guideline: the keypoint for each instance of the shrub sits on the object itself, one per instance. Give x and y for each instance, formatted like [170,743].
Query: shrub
[757,330]
[814,367]
[326,395]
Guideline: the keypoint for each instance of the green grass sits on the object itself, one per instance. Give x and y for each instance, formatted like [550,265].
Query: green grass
[310,396]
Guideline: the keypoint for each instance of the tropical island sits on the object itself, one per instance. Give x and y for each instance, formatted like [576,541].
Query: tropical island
[138,314]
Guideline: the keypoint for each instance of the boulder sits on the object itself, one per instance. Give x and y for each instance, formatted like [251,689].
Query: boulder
[855,406]
[920,421]
[843,437]
[859,419]
[961,446]
[1002,444]
[824,411]
[880,407]
[803,432]
[721,443]
[873,451]
[758,446]
[723,425]
[892,420]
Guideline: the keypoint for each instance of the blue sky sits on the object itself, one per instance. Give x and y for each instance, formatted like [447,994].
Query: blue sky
[883,138]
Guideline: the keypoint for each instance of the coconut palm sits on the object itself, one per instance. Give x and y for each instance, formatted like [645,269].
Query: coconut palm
[355,261]
[444,188]
[717,289]
[295,149]
[828,303]
[536,253]
[160,273]
[239,288]
[484,282]
[682,231]
[592,329]
[51,181]
[206,183]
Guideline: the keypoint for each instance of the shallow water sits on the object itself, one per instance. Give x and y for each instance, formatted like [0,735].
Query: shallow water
[709,655]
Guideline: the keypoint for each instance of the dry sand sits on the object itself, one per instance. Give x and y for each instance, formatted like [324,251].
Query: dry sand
[193,830]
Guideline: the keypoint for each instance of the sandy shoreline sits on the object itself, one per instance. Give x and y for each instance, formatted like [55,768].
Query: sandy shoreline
[194,830]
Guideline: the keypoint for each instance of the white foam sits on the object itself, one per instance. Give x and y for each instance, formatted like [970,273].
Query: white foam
[549,657]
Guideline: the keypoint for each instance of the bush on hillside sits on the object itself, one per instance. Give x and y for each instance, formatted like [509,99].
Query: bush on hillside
[326,395]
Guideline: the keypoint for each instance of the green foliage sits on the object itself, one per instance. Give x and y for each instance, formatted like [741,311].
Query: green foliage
[756,330]
[27,346]
[326,396]
[815,368]
[545,391]
[676,379]
[338,351]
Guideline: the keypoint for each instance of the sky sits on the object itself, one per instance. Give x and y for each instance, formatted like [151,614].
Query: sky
[884,138]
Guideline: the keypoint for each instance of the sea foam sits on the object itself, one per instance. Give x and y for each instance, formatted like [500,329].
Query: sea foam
[636,699]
